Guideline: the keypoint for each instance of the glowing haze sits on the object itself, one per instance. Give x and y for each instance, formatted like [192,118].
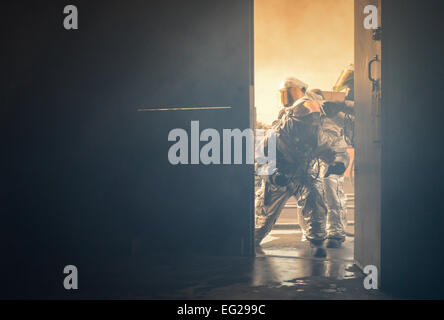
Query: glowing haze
[312,40]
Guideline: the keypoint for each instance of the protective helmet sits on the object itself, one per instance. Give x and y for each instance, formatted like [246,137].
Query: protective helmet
[286,85]
[292,82]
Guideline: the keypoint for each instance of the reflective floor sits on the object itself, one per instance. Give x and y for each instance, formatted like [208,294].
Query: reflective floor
[263,277]
[286,271]
[287,244]
[283,268]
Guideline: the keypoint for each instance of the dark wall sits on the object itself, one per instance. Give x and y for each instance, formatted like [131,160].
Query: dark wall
[85,177]
[413,150]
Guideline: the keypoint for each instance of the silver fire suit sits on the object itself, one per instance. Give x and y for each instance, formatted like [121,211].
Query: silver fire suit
[334,184]
[333,194]
[303,154]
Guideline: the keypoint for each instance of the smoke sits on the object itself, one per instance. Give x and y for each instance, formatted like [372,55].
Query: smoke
[312,40]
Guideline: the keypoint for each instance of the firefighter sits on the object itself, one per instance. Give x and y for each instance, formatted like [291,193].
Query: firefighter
[334,181]
[303,154]
[339,122]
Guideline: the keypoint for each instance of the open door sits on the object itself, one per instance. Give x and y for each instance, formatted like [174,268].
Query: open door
[368,139]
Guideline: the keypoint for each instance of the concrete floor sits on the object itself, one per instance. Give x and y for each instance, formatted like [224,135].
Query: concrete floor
[229,278]
[283,269]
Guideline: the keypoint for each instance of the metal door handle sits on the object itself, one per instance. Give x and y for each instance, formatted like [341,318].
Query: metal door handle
[370,63]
